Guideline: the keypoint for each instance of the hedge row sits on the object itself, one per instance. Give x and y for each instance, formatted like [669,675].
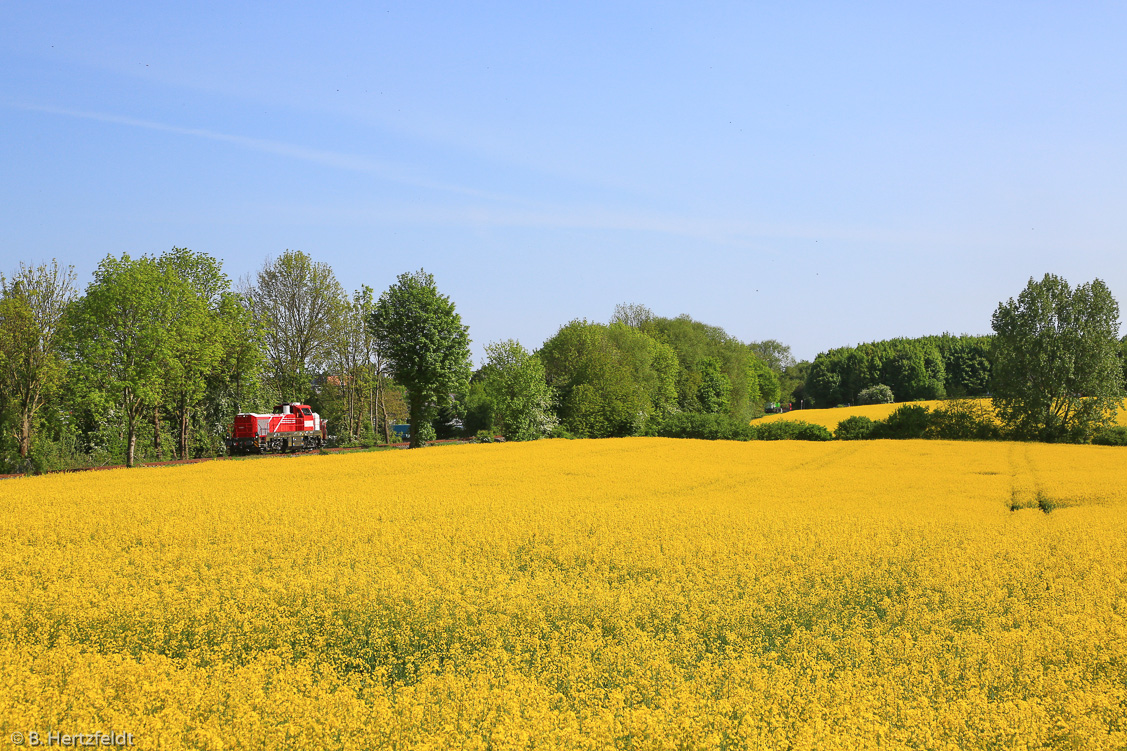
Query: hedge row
[716,427]
[958,419]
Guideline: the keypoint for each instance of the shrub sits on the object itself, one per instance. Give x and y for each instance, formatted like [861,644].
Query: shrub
[811,432]
[907,421]
[723,428]
[426,433]
[855,428]
[878,394]
[483,436]
[709,427]
[963,419]
[1113,436]
[791,430]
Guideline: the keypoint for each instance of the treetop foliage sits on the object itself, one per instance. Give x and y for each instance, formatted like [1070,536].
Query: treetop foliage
[632,314]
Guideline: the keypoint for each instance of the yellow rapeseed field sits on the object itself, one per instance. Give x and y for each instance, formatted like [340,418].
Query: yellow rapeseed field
[634,593]
[831,416]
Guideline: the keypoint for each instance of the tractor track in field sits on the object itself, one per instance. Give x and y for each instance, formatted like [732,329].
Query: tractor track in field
[294,454]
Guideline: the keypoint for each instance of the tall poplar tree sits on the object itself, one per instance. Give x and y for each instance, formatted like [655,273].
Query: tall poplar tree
[32,308]
[1056,374]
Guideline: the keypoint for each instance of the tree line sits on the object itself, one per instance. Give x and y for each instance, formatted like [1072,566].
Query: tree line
[158,353]
[930,367]
[155,356]
[601,380]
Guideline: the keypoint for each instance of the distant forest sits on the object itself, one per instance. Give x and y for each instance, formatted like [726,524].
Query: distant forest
[158,353]
[931,367]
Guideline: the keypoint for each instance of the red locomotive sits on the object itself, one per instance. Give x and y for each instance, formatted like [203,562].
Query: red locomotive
[292,427]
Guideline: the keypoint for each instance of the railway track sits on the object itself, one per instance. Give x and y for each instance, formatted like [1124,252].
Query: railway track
[174,462]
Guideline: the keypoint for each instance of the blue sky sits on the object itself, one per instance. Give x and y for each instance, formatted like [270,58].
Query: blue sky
[817,173]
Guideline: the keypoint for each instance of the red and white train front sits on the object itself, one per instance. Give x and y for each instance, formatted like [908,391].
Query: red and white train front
[292,427]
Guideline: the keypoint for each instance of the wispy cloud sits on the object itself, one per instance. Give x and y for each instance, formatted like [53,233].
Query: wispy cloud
[491,209]
[334,159]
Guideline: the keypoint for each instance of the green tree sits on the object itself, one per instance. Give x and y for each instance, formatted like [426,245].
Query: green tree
[374,385]
[792,384]
[653,365]
[966,362]
[751,379]
[915,370]
[600,392]
[298,305]
[123,346]
[715,389]
[762,378]
[354,365]
[198,332]
[1056,375]
[823,381]
[912,368]
[238,383]
[1123,357]
[906,421]
[32,308]
[478,407]
[515,384]
[855,428]
[427,348]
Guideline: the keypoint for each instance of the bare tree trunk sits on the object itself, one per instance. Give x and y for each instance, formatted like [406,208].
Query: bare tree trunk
[156,432]
[184,423]
[353,421]
[131,439]
[346,395]
[25,434]
[382,396]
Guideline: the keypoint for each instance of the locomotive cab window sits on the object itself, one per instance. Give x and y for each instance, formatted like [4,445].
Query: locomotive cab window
[306,411]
